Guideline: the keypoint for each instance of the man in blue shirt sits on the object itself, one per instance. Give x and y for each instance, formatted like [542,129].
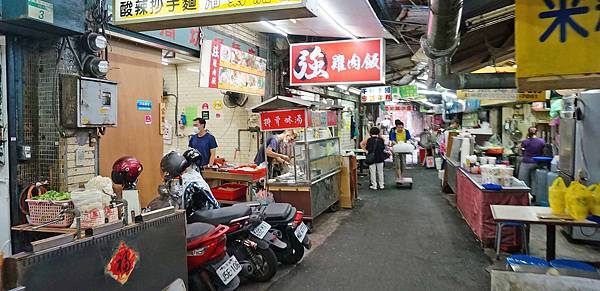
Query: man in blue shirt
[204,142]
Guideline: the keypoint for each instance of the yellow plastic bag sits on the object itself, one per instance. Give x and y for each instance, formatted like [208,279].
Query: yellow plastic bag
[556,196]
[577,198]
[595,201]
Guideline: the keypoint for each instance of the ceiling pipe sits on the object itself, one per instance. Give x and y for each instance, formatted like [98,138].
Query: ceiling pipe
[440,44]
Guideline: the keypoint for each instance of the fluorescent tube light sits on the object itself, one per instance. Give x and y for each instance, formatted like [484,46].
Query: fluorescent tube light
[343,87]
[354,90]
[273,27]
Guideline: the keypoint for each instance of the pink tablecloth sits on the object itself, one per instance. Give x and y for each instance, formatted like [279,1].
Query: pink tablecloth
[474,205]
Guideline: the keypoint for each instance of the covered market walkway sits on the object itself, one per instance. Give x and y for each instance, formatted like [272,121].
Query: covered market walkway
[396,240]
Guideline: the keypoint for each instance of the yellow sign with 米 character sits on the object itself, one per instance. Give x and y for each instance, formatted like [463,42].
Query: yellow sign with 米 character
[556,38]
[166,14]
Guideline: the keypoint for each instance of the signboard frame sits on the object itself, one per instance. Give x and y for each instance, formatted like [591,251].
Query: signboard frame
[382,64]
[203,17]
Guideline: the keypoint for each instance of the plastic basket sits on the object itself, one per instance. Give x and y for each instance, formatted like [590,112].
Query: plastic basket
[229,191]
[43,211]
[256,175]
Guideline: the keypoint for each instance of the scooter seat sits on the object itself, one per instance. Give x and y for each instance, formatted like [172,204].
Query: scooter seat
[278,211]
[198,229]
[220,216]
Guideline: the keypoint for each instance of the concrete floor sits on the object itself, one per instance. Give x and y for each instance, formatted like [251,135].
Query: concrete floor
[401,239]
[396,239]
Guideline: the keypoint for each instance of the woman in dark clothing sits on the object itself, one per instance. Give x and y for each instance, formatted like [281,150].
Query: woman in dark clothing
[375,147]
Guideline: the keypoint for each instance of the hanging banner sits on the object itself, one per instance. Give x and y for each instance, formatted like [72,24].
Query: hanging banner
[376,94]
[145,15]
[283,119]
[502,94]
[404,92]
[556,38]
[226,68]
[360,61]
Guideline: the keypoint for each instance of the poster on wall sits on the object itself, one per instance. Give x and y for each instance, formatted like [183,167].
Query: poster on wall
[226,68]
[359,61]
[376,94]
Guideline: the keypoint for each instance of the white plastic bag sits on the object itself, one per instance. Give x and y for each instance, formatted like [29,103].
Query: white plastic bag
[404,148]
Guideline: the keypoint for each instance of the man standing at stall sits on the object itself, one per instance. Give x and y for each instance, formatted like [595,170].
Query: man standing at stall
[399,134]
[204,142]
[273,151]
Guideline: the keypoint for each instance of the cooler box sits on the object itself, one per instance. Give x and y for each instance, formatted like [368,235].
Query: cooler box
[229,191]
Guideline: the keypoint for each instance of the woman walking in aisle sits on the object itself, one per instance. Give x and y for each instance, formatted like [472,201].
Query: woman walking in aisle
[375,147]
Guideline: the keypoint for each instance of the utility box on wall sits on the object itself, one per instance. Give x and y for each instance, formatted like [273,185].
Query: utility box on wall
[87,102]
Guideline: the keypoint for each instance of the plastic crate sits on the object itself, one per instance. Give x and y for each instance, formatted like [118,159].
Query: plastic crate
[43,211]
[256,175]
[229,191]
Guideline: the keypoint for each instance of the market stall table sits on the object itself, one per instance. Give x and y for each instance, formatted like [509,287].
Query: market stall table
[535,215]
[473,200]
[249,179]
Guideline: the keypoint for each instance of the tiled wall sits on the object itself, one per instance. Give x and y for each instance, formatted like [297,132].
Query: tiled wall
[224,129]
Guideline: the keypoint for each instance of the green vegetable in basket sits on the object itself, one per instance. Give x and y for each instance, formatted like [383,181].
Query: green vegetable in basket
[54,196]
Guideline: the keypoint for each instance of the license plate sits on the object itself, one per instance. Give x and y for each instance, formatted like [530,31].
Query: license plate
[261,230]
[301,231]
[229,270]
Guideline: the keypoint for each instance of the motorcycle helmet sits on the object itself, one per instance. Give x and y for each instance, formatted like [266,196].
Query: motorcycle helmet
[126,171]
[172,165]
[192,156]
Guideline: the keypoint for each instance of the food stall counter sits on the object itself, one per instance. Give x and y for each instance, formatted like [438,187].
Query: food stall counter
[473,201]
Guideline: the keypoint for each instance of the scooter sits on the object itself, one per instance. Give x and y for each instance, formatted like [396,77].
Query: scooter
[245,240]
[209,265]
[286,224]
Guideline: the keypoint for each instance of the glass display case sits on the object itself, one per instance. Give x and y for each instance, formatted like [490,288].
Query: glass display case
[311,182]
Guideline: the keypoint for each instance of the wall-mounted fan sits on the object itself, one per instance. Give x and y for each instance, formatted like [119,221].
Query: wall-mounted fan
[233,99]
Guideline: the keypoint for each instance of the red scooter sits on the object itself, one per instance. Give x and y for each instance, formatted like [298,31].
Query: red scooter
[209,265]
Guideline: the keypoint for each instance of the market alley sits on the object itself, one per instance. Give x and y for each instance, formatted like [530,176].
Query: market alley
[397,239]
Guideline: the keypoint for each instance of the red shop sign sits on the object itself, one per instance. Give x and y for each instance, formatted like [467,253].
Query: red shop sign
[215,64]
[284,119]
[360,61]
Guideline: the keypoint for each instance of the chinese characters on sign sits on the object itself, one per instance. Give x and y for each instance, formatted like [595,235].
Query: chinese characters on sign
[226,68]
[164,14]
[398,108]
[502,94]
[122,264]
[376,94]
[281,120]
[336,62]
[556,38]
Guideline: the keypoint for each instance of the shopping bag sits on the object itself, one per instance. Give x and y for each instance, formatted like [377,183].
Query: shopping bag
[577,199]
[595,201]
[556,196]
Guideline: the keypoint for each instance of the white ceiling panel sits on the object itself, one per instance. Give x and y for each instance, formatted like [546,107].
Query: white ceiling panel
[356,16]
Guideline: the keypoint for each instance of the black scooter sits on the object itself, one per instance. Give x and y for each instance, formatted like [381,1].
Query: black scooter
[286,224]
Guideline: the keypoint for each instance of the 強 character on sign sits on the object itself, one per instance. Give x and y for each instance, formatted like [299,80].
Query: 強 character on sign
[563,17]
[157,6]
[317,65]
[338,63]
[172,4]
[267,122]
[371,61]
[277,120]
[354,62]
[125,8]
[288,119]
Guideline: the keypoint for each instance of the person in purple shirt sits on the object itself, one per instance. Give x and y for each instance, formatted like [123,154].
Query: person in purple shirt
[533,146]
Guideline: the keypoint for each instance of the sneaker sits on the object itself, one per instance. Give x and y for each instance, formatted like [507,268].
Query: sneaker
[381,188]
[372,187]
